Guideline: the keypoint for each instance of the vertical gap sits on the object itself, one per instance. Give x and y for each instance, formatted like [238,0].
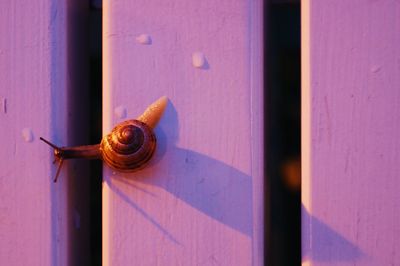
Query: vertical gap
[95,113]
[77,182]
[283,137]
[84,118]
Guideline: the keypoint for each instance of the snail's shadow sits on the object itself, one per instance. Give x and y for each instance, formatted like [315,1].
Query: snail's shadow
[216,189]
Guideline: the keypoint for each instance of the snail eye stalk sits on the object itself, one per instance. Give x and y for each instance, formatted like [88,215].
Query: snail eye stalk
[58,157]
[49,143]
[58,170]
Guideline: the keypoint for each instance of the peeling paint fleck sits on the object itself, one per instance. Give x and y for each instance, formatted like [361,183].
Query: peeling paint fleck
[120,112]
[375,69]
[144,39]
[3,103]
[198,59]
[27,134]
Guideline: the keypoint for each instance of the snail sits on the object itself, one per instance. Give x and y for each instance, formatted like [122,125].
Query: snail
[127,148]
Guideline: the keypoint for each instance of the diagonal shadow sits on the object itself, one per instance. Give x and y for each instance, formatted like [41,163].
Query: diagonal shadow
[148,217]
[321,243]
[216,189]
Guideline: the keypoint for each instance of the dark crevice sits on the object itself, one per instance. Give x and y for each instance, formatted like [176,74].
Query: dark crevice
[282,109]
[84,179]
[76,182]
[95,131]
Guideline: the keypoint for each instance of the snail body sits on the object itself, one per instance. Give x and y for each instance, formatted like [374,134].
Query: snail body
[127,148]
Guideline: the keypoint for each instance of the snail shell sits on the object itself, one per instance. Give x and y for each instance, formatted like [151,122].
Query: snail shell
[129,146]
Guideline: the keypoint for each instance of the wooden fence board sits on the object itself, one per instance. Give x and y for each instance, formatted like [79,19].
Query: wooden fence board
[200,201]
[351,128]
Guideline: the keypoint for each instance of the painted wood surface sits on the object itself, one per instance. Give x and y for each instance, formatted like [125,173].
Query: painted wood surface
[30,48]
[351,129]
[199,202]
[41,223]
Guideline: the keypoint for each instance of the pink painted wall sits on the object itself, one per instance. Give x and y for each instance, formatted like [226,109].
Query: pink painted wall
[351,129]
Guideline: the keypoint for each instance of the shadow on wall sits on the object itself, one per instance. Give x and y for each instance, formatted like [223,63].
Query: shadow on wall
[211,186]
[321,243]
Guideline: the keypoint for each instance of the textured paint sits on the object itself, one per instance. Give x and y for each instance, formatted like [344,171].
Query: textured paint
[351,129]
[200,200]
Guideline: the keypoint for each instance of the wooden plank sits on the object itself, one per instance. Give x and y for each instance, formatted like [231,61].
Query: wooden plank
[351,147]
[32,84]
[41,223]
[200,200]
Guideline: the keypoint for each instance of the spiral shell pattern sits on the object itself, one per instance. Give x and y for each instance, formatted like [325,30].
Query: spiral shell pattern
[129,146]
